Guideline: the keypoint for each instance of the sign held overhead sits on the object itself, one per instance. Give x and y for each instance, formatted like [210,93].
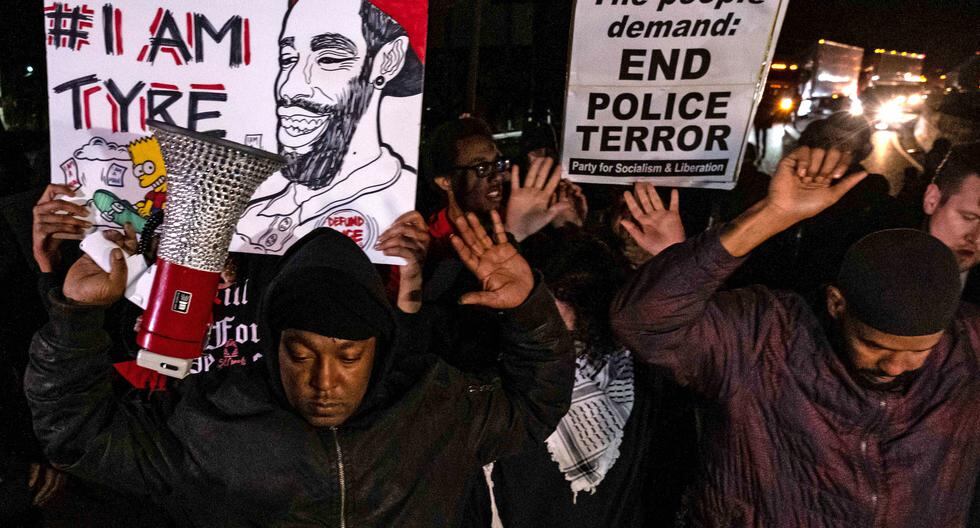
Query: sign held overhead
[664,91]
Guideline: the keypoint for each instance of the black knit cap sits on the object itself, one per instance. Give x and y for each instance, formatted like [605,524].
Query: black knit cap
[330,303]
[901,281]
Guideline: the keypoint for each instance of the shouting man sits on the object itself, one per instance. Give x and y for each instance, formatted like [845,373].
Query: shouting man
[337,62]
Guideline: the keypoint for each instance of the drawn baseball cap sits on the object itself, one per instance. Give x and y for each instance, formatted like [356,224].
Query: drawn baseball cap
[412,16]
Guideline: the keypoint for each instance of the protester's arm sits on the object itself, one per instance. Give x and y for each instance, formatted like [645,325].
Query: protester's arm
[536,375]
[407,237]
[670,313]
[82,425]
[536,368]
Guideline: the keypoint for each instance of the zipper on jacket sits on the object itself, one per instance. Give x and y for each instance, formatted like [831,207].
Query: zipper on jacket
[343,484]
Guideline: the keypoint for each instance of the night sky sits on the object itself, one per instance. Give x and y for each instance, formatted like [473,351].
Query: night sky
[947,31]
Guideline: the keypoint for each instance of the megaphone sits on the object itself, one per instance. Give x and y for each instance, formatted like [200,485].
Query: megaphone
[209,183]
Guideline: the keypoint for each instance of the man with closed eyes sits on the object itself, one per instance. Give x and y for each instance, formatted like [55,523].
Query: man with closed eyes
[334,72]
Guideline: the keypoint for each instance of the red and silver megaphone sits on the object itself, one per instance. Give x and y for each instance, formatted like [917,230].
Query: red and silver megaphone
[209,183]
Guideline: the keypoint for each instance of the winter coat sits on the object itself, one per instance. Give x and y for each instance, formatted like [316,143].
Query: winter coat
[234,453]
[792,439]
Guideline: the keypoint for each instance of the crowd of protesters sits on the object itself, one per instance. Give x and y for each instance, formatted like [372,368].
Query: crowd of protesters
[801,351]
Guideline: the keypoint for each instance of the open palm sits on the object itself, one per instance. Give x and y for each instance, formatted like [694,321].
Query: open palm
[531,206]
[654,227]
[504,274]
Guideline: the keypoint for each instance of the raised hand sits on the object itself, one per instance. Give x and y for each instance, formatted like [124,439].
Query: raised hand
[570,205]
[504,274]
[802,187]
[54,220]
[531,205]
[408,238]
[654,227]
[803,184]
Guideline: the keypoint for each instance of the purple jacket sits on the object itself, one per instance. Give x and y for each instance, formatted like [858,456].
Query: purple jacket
[792,440]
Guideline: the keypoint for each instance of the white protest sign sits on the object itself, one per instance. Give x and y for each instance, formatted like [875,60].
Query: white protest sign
[665,90]
[333,86]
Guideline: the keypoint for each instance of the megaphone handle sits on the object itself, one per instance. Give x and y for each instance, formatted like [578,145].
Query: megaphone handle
[138,291]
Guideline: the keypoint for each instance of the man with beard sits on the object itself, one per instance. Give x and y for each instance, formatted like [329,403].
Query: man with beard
[866,418]
[337,61]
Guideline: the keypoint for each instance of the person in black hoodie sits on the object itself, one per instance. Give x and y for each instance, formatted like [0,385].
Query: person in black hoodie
[353,423]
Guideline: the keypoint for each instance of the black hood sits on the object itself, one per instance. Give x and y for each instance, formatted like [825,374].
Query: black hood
[325,251]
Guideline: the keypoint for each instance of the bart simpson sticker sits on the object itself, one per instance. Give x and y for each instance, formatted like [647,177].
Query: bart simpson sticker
[149,170]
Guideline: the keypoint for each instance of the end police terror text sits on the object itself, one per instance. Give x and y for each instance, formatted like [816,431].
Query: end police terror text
[662,105]
[648,106]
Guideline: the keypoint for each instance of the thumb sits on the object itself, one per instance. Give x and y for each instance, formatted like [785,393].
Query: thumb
[482,298]
[847,183]
[117,270]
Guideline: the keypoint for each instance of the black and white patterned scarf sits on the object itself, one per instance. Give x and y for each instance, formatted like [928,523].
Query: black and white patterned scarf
[586,443]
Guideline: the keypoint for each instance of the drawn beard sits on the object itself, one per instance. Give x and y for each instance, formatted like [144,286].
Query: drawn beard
[318,167]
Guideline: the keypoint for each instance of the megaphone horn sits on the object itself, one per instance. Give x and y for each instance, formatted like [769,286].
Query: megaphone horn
[209,183]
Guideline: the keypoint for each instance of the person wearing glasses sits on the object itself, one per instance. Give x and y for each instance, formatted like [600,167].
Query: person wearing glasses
[468,174]
[467,171]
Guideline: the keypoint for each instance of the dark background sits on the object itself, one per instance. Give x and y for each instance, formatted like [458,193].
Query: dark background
[523,48]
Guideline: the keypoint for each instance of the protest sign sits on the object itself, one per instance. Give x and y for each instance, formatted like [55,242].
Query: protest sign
[664,90]
[332,85]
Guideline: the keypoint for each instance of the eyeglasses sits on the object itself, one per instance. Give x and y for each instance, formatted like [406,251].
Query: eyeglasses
[487,169]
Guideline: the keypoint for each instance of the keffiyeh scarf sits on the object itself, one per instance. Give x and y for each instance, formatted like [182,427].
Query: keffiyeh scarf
[586,443]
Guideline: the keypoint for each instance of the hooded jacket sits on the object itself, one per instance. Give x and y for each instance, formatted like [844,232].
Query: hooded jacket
[234,453]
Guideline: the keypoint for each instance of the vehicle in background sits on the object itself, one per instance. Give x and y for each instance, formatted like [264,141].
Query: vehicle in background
[830,79]
[894,89]
[780,97]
